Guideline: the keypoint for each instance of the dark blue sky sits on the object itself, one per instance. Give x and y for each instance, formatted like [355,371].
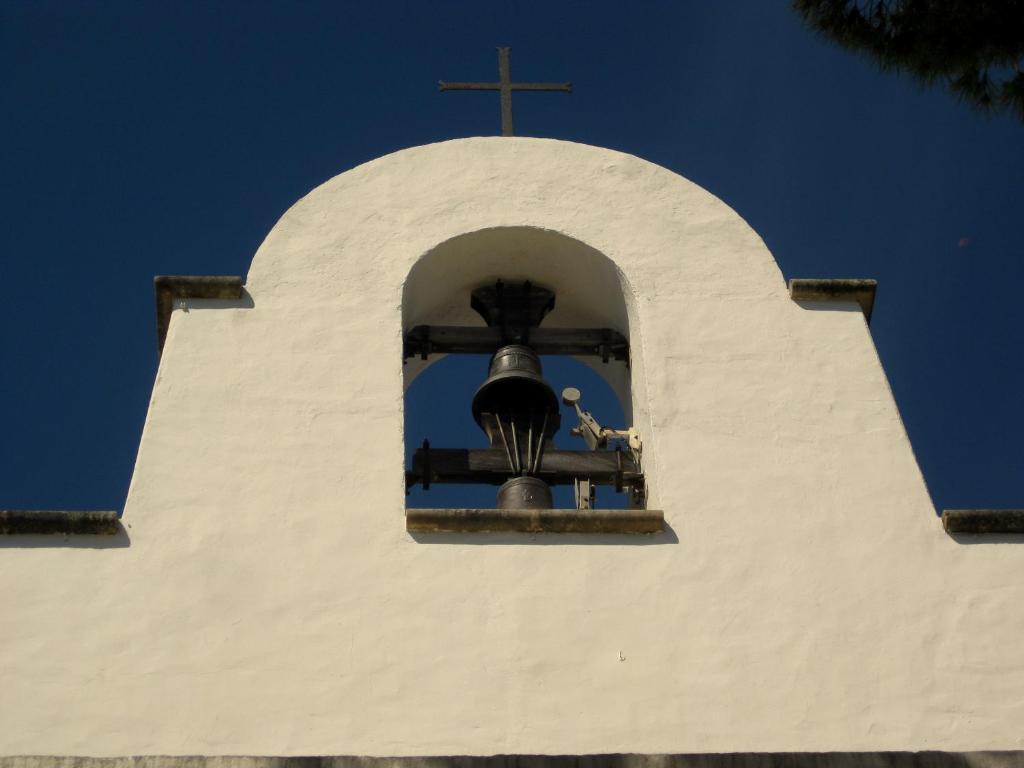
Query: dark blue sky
[143,138]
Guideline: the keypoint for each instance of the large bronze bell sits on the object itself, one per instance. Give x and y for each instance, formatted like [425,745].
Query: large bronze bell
[514,385]
[518,411]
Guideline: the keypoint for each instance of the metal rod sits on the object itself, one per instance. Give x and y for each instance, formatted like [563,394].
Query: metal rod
[540,445]
[618,468]
[447,85]
[515,443]
[504,441]
[505,76]
[529,447]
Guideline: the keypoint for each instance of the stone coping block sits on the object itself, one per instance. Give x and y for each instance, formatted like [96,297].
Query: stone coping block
[46,521]
[980,759]
[171,287]
[534,520]
[983,520]
[844,289]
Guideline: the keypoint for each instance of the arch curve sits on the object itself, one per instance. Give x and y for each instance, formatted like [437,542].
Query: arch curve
[369,224]
[590,289]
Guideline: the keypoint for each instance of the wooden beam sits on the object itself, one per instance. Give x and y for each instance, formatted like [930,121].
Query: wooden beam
[489,466]
[425,340]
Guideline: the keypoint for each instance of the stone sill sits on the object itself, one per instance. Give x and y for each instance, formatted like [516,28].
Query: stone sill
[929,759]
[15,522]
[632,521]
[983,520]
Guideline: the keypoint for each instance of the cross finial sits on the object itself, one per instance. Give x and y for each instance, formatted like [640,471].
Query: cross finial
[505,86]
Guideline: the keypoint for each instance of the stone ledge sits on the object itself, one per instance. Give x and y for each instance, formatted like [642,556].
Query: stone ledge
[630,521]
[817,289]
[929,759]
[983,520]
[171,287]
[15,522]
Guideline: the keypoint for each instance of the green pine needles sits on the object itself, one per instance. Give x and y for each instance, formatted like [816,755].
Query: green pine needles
[973,47]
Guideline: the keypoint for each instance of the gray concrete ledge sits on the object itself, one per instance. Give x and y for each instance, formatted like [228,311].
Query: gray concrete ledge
[817,289]
[983,520]
[171,287]
[15,522]
[1011,759]
[534,520]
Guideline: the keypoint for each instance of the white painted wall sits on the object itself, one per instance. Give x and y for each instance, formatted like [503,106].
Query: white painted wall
[270,601]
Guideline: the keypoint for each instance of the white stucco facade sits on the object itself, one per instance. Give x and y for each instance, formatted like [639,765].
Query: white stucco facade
[266,598]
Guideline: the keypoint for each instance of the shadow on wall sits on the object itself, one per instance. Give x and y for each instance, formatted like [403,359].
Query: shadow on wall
[666,536]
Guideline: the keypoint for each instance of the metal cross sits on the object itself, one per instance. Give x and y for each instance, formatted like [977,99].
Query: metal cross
[506,86]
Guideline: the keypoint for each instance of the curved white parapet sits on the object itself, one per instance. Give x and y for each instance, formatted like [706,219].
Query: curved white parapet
[269,601]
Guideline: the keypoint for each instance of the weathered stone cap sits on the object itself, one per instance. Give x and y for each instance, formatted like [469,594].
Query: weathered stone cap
[841,289]
[171,287]
[983,520]
[928,759]
[47,521]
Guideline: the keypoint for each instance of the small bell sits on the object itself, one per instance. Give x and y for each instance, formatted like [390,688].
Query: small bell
[525,493]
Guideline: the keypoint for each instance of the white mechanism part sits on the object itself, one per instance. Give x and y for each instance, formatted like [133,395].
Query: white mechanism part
[593,433]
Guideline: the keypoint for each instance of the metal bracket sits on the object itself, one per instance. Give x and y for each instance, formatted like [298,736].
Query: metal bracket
[593,434]
[426,465]
[585,493]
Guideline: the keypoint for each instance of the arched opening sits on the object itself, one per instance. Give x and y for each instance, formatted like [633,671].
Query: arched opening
[455,379]
[584,338]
